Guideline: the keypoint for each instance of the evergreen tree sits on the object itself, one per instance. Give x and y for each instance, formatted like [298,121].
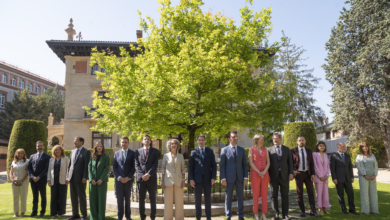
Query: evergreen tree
[55,102]
[358,67]
[292,75]
[23,106]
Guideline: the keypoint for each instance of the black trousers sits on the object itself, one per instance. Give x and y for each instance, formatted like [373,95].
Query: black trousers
[284,188]
[77,194]
[207,198]
[151,187]
[39,188]
[58,198]
[340,193]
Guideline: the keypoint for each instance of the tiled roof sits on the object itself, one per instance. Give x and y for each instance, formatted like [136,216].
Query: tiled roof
[29,73]
[95,41]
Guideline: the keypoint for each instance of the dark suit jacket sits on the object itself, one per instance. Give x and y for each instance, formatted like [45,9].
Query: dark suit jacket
[146,165]
[78,167]
[310,162]
[231,168]
[285,165]
[123,168]
[208,166]
[38,168]
[340,171]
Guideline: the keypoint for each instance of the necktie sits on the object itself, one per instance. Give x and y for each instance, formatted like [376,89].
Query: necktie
[202,154]
[278,152]
[124,156]
[303,160]
[235,153]
[146,153]
[342,156]
[39,157]
[77,153]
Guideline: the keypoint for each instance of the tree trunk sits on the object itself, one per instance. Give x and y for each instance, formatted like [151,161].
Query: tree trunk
[191,140]
[386,157]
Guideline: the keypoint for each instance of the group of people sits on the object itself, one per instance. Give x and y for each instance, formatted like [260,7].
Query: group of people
[276,165]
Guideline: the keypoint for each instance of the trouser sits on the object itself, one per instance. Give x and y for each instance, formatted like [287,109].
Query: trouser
[173,194]
[77,194]
[151,187]
[123,194]
[260,189]
[97,201]
[300,179]
[340,186]
[58,198]
[229,196]
[322,194]
[284,188]
[39,188]
[20,192]
[207,198]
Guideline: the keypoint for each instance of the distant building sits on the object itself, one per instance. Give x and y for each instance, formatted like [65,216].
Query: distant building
[14,79]
[331,136]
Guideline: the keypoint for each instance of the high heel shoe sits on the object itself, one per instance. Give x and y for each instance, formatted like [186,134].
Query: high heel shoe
[263,217]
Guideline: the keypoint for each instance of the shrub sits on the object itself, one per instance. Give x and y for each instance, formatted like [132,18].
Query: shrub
[377,148]
[109,151]
[55,141]
[294,129]
[25,134]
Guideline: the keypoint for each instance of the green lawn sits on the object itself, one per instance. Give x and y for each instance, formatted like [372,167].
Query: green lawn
[6,201]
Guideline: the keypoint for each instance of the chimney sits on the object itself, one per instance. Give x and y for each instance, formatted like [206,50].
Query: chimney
[70,31]
[139,34]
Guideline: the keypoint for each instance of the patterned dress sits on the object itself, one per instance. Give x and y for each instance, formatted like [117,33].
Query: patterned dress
[368,191]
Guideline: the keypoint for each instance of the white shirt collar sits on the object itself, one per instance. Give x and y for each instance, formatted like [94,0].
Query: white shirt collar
[80,148]
[340,153]
[125,150]
[232,146]
[146,148]
[280,146]
[202,148]
[299,148]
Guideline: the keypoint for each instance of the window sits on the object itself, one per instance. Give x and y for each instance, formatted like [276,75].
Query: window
[3,78]
[95,68]
[103,95]
[105,139]
[44,89]
[13,81]
[30,87]
[36,89]
[103,70]
[2,100]
[328,135]
[21,85]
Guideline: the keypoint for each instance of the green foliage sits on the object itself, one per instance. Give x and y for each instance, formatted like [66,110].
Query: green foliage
[55,102]
[358,68]
[25,134]
[108,151]
[193,75]
[55,141]
[377,148]
[294,129]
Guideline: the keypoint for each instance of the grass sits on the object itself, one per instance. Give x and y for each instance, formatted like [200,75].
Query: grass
[6,201]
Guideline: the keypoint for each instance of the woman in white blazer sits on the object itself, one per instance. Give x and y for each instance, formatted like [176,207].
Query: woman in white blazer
[56,177]
[173,180]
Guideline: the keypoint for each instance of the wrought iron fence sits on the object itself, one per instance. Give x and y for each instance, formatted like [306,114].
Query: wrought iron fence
[217,190]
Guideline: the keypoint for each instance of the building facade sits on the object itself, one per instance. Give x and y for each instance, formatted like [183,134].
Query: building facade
[14,79]
[331,136]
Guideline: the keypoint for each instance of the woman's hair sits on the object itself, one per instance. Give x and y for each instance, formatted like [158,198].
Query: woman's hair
[318,144]
[16,158]
[177,144]
[53,151]
[95,153]
[361,145]
[257,137]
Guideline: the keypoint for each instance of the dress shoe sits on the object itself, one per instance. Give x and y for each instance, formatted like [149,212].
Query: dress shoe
[345,211]
[41,215]
[286,217]
[241,218]
[302,214]
[73,217]
[208,218]
[276,216]
[33,214]
[354,212]
[315,214]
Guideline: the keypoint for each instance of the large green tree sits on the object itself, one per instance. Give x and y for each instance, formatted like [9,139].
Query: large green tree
[195,75]
[55,102]
[358,67]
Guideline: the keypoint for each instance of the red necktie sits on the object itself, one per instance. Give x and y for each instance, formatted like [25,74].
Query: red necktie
[146,153]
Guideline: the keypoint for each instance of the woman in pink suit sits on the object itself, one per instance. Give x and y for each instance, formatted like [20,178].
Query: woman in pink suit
[322,170]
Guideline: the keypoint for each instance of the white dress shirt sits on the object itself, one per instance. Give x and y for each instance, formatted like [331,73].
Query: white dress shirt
[301,159]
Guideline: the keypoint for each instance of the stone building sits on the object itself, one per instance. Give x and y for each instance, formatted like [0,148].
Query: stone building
[13,79]
[81,83]
[331,136]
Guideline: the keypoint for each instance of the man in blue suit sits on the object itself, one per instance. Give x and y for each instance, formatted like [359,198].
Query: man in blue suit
[37,170]
[201,174]
[234,172]
[123,165]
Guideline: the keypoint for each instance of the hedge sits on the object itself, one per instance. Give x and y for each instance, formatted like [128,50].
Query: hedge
[294,129]
[108,151]
[25,134]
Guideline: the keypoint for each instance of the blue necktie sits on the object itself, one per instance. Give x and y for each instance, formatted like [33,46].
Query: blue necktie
[77,153]
[303,161]
[342,156]
[202,155]
[278,152]
[235,153]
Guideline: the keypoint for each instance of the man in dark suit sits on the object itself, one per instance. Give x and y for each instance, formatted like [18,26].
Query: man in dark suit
[146,163]
[280,172]
[342,176]
[234,172]
[77,177]
[37,170]
[201,175]
[304,173]
[123,165]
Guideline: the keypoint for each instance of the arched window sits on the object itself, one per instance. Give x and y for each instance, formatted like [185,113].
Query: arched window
[13,81]
[21,85]
[2,100]
[95,68]
[3,78]
[36,89]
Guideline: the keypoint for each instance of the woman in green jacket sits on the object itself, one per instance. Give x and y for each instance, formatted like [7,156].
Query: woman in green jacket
[98,167]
